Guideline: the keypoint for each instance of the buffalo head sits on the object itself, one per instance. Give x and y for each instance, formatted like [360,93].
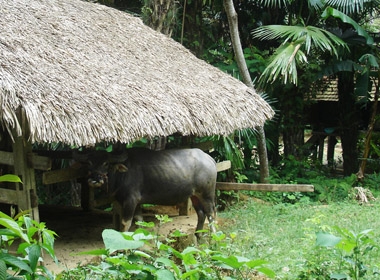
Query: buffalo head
[99,164]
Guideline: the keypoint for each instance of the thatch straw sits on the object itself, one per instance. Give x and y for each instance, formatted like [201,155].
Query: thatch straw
[83,73]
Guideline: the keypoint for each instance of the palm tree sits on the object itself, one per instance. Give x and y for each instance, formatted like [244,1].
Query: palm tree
[305,38]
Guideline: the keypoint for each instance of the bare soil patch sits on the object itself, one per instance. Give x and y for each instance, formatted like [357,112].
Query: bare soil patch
[80,231]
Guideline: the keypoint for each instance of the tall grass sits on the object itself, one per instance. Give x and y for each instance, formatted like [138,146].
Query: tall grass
[285,234]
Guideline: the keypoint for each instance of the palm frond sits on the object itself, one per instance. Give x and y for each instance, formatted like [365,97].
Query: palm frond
[316,4]
[351,6]
[370,60]
[283,64]
[275,3]
[346,19]
[313,36]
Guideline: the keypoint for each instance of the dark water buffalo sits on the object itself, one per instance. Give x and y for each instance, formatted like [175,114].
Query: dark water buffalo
[166,177]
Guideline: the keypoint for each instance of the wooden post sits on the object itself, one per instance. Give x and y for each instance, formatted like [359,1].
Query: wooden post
[87,195]
[330,150]
[185,208]
[27,191]
[321,145]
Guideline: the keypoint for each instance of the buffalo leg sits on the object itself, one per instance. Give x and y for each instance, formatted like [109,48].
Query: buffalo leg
[127,217]
[117,214]
[123,215]
[204,209]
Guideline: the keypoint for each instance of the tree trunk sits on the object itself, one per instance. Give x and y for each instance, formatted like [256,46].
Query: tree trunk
[160,15]
[367,141]
[349,121]
[239,56]
[293,138]
[292,118]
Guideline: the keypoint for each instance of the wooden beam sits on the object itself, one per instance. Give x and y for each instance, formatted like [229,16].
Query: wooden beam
[62,175]
[38,162]
[6,158]
[264,187]
[223,165]
[8,196]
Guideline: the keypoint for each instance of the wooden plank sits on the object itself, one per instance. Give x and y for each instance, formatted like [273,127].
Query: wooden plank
[223,165]
[8,196]
[62,175]
[38,162]
[264,187]
[6,158]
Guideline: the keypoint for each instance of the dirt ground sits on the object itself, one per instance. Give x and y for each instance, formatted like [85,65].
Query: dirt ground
[80,231]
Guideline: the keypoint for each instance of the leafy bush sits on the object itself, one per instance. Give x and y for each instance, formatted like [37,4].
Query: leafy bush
[333,189]
[343,254]
[143,255]
[33,238]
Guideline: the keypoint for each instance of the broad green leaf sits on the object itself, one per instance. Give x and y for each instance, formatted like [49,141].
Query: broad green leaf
[329,11]
[13,226]
[255,263]
[327,239]
[48,240]
[347,245]
[370,60]
[10,178]
[165,261]
[164,274]
[114,240]
[190,250]
[139,236]
[15,262]
[34,253]
[266,271]
[7,232]
[231,261]
[188,259]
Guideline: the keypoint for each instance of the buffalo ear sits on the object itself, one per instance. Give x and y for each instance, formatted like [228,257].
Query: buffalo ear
[121,168]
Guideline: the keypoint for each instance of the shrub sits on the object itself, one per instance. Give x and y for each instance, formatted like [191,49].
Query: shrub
[33,238]
[342,254]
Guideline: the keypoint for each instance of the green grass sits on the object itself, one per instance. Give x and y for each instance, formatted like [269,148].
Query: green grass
[284,234]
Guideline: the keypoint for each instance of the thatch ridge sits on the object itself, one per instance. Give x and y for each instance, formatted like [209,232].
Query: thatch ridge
[83,73]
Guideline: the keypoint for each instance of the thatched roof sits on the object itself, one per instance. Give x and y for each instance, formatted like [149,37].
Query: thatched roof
[329,91]
[83,73]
